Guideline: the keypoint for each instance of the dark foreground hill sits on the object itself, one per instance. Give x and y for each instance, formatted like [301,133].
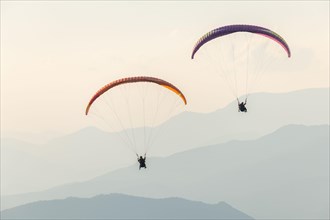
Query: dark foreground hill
[119,206]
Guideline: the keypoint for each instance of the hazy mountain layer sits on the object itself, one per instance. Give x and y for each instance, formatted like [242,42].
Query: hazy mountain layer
[283,175]
[117,206]
[91,152]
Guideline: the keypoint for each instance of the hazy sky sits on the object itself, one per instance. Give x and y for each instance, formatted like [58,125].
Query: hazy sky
[56,54]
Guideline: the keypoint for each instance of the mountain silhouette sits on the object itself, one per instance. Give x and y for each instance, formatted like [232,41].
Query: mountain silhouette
[96,152]
[287,167]
[119,206]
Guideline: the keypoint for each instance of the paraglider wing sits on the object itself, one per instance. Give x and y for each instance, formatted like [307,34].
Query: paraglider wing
[115,83]
[225,30]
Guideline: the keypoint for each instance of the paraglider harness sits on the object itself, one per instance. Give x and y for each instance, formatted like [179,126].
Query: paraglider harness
[142,161]
[241,106]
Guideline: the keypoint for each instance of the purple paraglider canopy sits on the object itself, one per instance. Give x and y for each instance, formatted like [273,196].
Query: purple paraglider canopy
[229,29]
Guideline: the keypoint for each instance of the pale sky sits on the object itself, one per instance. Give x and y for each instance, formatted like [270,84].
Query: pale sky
[55,55]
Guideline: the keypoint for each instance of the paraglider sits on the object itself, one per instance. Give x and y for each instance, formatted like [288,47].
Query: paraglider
[239,51]
[241,106]
[133,108]
[142,161]
[135,80]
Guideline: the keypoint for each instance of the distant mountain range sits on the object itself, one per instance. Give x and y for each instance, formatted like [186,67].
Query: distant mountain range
[119,206]
[91,152]
[283,175]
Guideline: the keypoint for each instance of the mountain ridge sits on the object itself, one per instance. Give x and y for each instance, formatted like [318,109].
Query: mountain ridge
[115,206]
[233,172]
